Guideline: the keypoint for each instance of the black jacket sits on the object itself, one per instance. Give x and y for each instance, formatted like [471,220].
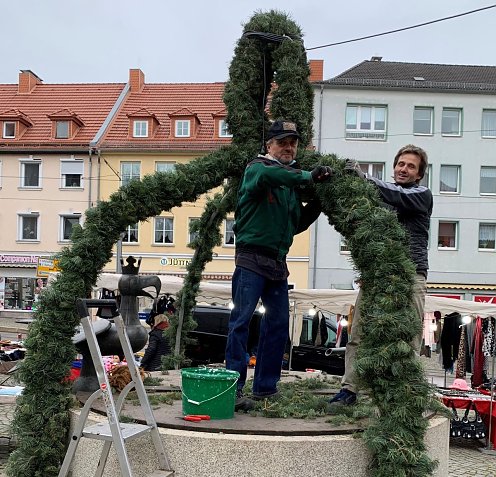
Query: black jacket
[413,206]
[158,346]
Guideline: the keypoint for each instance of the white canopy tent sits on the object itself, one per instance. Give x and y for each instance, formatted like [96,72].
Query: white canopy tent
[327,300]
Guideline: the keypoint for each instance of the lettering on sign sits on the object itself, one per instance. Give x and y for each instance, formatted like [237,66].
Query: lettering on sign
[175,262]
[485,298]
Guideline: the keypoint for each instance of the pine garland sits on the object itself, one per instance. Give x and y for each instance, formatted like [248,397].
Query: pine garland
[385,363]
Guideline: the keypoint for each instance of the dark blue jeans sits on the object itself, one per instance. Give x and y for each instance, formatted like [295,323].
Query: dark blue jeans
[247,288]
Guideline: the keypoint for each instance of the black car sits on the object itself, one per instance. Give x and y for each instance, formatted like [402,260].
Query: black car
[317,349]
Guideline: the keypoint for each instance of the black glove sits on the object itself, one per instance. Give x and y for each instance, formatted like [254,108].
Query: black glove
[352,166]
[321,174]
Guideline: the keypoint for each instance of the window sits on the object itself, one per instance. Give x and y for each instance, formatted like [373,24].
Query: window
[229,238]
[450,179]
[374,169]
[447,235]
[28,226]
[62,129]
[192,235]
[71,173]
[488,123]
[451,122]
[488,180]
[129,171]
[9,129]
[366,122]
[131,234]
[343,246]
[182,128]
[224,129]
[164,230]
[487,236]
[140,129]
[426,180]
[165,166]
[423,120]
[31,173]
[67,222]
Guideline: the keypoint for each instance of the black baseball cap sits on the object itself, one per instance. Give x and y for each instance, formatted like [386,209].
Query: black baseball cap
[282,129]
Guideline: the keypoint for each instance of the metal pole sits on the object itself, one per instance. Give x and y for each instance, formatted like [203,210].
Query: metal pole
[489,444]
[292,336]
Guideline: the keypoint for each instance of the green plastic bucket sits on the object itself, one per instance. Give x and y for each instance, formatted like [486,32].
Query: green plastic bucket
[210,391]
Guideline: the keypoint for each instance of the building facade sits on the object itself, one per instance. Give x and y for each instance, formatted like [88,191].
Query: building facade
[373,109]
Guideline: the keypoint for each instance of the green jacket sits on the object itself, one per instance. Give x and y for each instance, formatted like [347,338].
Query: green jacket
[269,210]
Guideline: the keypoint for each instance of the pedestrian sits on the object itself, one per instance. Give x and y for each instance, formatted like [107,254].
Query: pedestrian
[413,206]
[268,214]
[158,345]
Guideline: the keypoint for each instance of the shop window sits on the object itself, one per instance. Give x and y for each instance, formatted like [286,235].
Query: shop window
[229,238]
[9,130]
[366,122]
[71,173]
[487,236]
[167,166]
[451,122]
[423,120]
[450,179]
[192,235]
[488,180]
[129,171]
[67,223]
[31,173]
[164,230]
[28,227]
[131,234]
[22,293]
[447,235]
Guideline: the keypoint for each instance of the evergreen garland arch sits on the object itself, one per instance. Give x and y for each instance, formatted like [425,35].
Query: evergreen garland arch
[385,364]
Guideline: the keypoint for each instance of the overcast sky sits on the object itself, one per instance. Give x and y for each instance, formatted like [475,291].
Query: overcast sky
[71,41]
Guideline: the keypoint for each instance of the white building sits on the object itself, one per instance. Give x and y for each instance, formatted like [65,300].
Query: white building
[374,108]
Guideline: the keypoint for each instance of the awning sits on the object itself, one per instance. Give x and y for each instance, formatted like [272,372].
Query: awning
[455,286]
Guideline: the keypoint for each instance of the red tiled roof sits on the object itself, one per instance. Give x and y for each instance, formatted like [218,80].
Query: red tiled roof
[91,103]
[166,100]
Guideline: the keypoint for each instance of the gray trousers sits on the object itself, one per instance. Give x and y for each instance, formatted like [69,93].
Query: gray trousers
[349,378]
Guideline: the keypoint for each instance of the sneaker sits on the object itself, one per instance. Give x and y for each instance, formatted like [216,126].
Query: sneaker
[243,403]
[344,397]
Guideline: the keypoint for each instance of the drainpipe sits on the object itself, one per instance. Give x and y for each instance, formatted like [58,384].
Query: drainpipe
[90,172]
[316,224]
[98,177]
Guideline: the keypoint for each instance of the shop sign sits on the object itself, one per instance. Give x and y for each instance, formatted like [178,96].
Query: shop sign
[16,259]
[45,266]
[485,298]
[175,262]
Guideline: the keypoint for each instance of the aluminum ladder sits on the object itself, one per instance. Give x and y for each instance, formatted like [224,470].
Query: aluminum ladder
[113,431]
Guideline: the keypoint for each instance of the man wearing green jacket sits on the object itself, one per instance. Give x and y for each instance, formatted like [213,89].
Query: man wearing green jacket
[268,214]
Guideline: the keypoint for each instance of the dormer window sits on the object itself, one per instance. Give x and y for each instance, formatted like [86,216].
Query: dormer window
[140,129]
[9,129]
[62,130]
[183,127]
[224,129]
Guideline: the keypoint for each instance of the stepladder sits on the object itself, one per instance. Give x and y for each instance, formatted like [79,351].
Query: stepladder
[113,432]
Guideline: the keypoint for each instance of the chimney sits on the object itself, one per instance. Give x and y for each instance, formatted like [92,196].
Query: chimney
[28,81]
[376,58]
[136,80]
[316,70]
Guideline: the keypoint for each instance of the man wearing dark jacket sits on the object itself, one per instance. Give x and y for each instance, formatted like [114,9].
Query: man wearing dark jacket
[268,214]
[413,206]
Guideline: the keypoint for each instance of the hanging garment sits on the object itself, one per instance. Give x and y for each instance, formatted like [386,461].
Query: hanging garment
[477,375]
[429,321]
[450,339]
[460,362]
[488,337]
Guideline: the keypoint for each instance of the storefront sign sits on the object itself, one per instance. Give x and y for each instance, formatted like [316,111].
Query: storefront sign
[485,298]
[19,259]
[45,266]
[175,262]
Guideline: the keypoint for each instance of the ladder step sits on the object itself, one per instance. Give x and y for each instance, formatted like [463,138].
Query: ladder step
[102,431]
[162,473]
